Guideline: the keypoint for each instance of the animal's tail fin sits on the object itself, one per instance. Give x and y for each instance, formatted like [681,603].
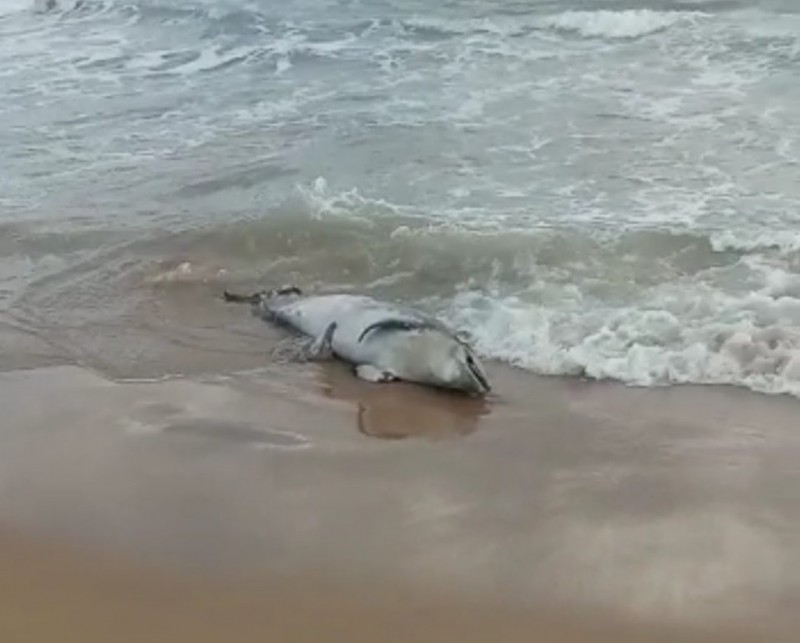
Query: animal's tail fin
[258,297]
[242,299]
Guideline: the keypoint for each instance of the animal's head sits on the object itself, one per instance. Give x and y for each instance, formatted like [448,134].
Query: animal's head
[455,366]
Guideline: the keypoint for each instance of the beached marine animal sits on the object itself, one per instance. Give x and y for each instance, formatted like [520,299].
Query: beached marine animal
[385,342]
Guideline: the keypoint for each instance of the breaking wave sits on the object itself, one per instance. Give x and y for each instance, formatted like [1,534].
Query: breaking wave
[631,23]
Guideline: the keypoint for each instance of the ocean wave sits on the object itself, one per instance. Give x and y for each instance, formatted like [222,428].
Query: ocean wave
[213,15]
[623,24]
[644,307]
[40,6]
[783,240]
[439,27]
[189,62]
[630,23]
[474,246]
[679,335]
[68,7]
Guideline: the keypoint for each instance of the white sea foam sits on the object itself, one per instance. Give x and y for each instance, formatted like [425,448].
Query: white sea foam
[464,26]
[784,240]
[631,23]
[687,334]
[348,203]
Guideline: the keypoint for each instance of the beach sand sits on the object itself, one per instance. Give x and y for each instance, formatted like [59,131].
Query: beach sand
[297,503]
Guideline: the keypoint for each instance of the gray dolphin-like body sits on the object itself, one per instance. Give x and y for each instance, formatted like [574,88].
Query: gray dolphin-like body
[384,341]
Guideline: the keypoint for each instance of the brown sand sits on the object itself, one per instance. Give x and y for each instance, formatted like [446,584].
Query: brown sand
[61,595]
[305,505]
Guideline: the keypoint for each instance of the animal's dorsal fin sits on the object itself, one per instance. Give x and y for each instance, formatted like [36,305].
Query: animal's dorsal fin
[461,336]
[396,324]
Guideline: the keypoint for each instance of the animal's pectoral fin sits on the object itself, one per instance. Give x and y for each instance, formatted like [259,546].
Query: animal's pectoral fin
[322,347]
[372,374]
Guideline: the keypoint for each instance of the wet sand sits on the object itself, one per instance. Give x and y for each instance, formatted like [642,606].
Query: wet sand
[60,594]
[298,503]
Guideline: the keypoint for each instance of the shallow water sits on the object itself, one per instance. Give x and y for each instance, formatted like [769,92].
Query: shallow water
[593,188]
